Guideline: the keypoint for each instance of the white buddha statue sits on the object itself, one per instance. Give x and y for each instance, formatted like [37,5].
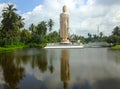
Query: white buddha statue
[64,25]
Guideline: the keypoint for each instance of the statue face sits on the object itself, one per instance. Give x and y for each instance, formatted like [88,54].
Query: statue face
[64,9]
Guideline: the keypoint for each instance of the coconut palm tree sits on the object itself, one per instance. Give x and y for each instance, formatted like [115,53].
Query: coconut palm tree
[25,36]
[32,28]
[42,28]
[116,31]
[11,25]
[50,24]
[101,34]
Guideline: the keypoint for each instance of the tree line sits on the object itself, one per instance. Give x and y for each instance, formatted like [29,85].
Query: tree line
[12,32]
[113,39]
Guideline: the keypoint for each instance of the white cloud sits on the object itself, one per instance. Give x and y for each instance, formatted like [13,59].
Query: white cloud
[2,6]
[85,15]
[107,2]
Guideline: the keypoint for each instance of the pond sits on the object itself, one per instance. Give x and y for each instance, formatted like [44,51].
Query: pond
[87,68]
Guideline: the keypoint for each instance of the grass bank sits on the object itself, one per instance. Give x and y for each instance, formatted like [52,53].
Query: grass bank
[117,47]
[13,47]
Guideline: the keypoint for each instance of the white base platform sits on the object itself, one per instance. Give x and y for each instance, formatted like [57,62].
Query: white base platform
[61,46]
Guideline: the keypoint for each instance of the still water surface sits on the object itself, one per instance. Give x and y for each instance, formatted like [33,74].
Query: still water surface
[88,68]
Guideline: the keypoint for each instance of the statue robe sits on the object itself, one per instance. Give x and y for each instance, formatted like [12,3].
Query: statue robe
[64,25]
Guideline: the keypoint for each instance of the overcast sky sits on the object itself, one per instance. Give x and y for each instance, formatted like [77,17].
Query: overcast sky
[85,15]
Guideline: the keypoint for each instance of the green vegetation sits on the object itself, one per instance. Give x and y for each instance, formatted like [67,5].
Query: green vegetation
[8,48]
[14,36]
[96,38]
[117,47]
[115,37]
[10,26]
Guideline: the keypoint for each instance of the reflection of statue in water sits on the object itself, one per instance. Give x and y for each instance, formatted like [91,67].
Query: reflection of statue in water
[65,71]
[64,25]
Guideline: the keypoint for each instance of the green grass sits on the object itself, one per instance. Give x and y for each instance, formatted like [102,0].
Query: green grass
[13,47]
[31,45]
[117,47]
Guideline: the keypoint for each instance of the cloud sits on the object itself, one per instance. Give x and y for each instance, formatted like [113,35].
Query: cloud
[107,2]
[85,15]
[2,6]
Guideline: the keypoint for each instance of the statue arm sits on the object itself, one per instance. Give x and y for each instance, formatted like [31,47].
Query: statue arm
[60,26]
[60,21]
[68,22]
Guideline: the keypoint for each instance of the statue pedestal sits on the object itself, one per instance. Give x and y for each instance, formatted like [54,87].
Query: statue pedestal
[65,41]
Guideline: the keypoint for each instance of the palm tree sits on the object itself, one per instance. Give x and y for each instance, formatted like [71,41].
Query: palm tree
[32,28]
[11,25]
[50,24]
[25,36]
[42,28]
[101,34]
[116,31]
[20,23]
[9,17]
[89,35]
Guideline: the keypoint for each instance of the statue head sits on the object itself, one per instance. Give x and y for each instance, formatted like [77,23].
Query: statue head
[64,8]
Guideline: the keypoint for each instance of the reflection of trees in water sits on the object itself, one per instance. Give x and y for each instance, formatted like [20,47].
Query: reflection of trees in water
[111,83]
[82,85]
[51,59]
[65,70]
[114,55]
[12,72]
[33,63]
[51,67]
[35,57]
[40,61]
[104,83]
[12,66]
[25,59]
